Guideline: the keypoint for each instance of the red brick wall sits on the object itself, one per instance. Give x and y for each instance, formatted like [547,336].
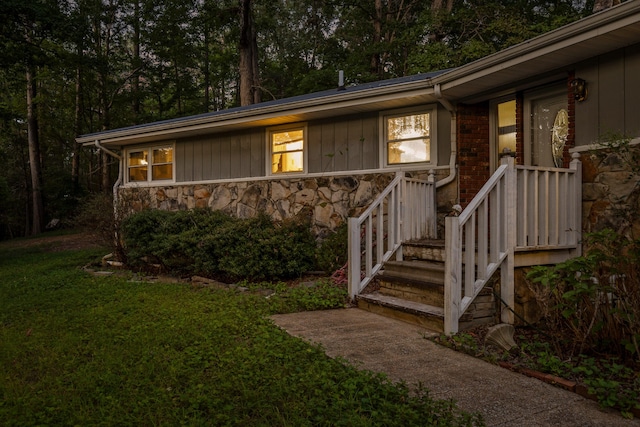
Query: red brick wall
[473,149]
[474,145]
[520,122]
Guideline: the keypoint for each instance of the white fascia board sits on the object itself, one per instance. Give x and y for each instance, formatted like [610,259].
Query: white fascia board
[600,24]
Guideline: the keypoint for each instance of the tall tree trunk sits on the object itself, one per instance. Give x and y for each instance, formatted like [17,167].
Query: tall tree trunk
[600,5]
[137,62]
[105,176]
[34,154]
[438,5]
[75,159]
[249,80]
[375,66]
[207,71]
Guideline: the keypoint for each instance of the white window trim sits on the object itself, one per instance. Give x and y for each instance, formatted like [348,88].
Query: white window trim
[305,148]
[149,148]
[432,110]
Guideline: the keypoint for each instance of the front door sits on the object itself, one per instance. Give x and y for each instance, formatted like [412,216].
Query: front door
[546,132]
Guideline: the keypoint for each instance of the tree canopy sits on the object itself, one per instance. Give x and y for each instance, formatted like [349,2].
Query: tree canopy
[71,68]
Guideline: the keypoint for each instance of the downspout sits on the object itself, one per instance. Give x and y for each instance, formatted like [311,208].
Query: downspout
[452,160]
[115,188]
[119,180]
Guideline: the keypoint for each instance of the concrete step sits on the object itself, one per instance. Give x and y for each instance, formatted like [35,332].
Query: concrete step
[425,249]
[424,315]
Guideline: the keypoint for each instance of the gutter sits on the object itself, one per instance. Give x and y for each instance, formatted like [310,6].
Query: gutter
[97,144]
[262,111]
[452,160]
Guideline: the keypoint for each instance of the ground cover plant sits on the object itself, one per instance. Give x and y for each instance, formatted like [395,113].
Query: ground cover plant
[76,349]
[589,331]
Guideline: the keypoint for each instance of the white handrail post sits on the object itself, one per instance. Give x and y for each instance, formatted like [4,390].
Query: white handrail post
[432,213]
[401,211]
[576,165]
[354,257]
[507,283]
[452,279]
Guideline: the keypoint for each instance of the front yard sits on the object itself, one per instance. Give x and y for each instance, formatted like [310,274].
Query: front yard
[82,350]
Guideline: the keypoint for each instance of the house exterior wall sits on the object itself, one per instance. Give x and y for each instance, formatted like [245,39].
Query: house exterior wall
[226,156]
[329,201]
[345,173]
[335,145]
[344,145]
[613,88]
[473,149]
[611,190]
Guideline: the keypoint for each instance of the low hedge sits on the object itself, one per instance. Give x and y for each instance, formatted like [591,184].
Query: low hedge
[215,244]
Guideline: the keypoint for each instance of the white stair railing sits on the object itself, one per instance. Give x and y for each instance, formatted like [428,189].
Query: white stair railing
[477,244]
[549,207]
[405,210]
[523,208]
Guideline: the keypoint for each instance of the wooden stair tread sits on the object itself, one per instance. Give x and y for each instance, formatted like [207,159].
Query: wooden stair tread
[416,271]
[404,305]
[433,243]
[416,264]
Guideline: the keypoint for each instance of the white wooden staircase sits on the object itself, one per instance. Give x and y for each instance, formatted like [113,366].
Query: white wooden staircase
[522,216]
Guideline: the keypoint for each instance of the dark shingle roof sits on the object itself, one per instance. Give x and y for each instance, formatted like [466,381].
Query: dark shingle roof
[281,102]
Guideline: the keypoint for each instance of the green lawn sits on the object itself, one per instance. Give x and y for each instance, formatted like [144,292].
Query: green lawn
[82,350]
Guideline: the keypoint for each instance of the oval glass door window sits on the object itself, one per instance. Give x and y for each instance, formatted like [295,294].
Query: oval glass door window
[559,134]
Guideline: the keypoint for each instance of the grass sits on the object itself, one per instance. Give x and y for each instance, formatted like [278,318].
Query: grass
[82,350]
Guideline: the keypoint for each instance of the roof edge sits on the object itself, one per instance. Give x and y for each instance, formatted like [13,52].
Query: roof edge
[261,110]
[559,37]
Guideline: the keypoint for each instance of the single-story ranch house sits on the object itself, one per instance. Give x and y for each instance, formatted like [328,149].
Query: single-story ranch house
[444,178]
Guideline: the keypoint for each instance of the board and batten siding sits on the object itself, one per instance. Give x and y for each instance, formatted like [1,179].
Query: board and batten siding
[226,156]
[334,146]
[612,104]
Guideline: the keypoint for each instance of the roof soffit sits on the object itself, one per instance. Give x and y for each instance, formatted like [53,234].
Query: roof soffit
[555,51]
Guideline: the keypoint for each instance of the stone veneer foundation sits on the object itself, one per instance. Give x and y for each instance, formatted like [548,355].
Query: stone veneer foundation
[611,190]
[329,200]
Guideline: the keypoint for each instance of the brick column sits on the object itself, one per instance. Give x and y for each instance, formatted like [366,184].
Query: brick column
[473,149]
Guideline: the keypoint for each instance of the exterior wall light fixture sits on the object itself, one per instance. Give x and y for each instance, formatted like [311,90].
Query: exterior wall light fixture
[579,89]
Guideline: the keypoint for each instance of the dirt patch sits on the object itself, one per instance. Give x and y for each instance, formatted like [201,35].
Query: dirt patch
[56,243]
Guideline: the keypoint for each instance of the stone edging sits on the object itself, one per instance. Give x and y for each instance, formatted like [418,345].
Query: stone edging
[572,386]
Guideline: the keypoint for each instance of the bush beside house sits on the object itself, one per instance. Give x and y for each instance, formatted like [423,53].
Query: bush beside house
[215,244]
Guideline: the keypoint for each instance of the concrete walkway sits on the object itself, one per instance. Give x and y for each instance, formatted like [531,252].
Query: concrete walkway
[400,350]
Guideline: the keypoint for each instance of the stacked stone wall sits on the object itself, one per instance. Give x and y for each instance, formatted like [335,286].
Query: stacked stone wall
[328,200]
[611,190]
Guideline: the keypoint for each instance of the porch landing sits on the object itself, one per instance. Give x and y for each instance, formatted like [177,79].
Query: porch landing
[393,347]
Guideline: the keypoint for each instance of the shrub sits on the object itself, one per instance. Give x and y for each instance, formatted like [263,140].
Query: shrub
[96,216]
[594,300]
[332,252]
[217,245]
[261,249]
[171,239]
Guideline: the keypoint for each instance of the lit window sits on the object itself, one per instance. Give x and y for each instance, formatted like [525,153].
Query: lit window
[158,159]
[287,151]
[507,126]
[138,163]
[408,138]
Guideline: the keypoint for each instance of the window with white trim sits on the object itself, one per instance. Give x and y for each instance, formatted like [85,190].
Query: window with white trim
[407,138]
[287,150]
[150,164]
